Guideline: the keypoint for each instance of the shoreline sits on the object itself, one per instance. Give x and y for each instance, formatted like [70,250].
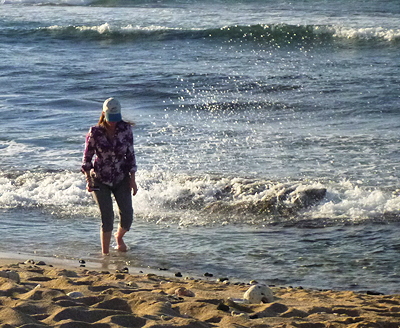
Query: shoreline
[116,262]
[106,263]
[50,292]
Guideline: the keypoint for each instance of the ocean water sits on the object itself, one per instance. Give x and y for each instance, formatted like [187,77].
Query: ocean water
[266,134]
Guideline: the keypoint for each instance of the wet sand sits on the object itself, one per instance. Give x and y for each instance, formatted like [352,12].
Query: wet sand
[37,294]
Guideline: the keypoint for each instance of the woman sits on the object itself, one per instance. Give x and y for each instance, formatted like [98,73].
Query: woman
[109,165]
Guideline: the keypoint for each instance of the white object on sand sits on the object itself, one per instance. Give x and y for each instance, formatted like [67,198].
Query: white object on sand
[75,294]
[259,293]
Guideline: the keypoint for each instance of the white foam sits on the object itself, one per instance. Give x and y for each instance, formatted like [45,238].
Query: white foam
[101,29]
[187,200]
[367,33]
[107,28]
[166,193]
[151,28]
[346,200]
[12,152]
[43,189]
[13,149]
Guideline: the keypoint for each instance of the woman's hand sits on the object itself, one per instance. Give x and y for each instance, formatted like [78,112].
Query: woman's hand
[90,183]
[133,184]
[90,187]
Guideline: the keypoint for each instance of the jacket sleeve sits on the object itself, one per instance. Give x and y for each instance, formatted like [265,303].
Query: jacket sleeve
[89,152]
[130,153]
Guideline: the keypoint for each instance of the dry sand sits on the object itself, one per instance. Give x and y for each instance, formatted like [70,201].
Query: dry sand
[39,296]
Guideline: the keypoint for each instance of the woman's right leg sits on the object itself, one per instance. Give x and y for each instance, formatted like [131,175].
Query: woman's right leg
[105,239]
[104,201]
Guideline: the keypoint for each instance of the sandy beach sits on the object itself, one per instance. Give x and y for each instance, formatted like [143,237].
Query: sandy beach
[36,293]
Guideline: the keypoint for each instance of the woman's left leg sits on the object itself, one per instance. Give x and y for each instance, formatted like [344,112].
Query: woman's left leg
[123,196]
[121,246]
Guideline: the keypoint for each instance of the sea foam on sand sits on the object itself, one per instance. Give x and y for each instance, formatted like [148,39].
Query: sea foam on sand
[37,294]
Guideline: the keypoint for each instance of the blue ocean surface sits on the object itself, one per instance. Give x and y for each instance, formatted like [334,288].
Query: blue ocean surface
[266,134]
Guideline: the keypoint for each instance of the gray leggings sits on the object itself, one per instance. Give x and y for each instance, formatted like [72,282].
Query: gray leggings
[123,196]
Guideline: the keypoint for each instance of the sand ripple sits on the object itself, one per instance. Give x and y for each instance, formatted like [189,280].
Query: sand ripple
[45,296]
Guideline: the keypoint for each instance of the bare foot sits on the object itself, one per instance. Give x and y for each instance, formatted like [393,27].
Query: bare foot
[121,246]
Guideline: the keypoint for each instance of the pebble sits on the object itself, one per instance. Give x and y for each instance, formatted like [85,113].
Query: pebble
[208,274]
[68,273]
[119,276]
[14,276]
[371,292]
[182,291]
[223,307]
[178,274]
[131,284]
[151,275]
[75,294]
[10,275]
[222,279]
[243,315]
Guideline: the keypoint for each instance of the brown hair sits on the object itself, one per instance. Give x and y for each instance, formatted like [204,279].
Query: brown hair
[102,119]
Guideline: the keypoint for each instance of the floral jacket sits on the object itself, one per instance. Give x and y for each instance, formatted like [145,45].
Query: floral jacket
[113,159]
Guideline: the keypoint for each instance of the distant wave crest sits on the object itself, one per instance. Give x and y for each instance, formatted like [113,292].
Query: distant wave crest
[102,3]
[279,33]
[48,2]
[274,33]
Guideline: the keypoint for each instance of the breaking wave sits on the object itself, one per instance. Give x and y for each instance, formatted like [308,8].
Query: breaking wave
[187,200]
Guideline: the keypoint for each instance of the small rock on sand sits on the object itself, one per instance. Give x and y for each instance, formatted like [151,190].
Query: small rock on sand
[182,291]
[10,275]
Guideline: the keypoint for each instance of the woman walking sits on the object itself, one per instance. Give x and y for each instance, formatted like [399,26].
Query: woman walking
[109,165]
